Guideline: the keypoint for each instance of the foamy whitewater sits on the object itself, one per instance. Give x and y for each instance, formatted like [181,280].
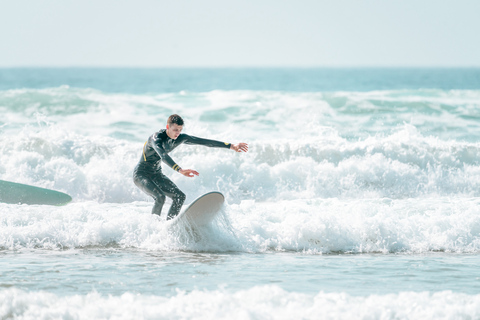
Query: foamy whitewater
[355,201]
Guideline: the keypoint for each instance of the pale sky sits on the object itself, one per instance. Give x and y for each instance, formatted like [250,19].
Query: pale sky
[248,33]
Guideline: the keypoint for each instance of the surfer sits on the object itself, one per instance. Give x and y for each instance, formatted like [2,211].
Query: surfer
[148,175]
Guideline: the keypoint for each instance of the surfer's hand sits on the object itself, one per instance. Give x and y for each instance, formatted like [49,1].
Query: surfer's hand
[239,147]
[188,172]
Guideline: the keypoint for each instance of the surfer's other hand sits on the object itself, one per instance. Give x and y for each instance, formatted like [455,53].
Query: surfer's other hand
[239,147]
[188,172]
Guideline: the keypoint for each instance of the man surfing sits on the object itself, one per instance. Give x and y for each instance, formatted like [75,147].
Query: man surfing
[148,175]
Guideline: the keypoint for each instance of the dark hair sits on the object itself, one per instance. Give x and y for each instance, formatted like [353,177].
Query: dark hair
[175,119]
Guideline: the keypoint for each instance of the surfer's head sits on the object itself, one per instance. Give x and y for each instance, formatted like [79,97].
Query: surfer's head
[174,126]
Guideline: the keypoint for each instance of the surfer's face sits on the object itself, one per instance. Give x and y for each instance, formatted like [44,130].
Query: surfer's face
[174,130]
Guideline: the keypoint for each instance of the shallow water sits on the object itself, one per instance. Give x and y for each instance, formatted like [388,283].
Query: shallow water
[114,272]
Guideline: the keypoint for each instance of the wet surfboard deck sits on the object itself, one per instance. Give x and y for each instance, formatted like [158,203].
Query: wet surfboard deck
[201,211]
[18,193]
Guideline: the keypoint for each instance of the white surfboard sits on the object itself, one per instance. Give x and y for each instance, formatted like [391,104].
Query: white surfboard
[203,210]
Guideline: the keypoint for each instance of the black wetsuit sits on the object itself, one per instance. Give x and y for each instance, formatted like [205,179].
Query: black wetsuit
[148,174]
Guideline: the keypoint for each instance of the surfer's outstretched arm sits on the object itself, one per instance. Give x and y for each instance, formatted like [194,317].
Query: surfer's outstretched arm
[214,143]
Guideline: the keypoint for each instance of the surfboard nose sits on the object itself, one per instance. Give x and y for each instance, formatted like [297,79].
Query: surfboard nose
[203,210]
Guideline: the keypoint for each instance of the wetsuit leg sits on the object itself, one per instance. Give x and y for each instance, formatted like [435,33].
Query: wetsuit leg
[147,185]
[158,186]
[171,190]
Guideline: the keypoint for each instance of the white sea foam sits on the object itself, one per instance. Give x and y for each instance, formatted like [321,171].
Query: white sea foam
[261,302]
[89,224]
[404,164]
[368,225]
[308,226]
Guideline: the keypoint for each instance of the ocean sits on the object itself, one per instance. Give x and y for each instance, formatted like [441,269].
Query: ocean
[359,197]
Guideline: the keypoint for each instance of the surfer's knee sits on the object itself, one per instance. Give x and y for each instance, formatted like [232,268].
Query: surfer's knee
[138,181]
[159,198]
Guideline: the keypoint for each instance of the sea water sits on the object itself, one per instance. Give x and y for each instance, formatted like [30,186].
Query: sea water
[359,197]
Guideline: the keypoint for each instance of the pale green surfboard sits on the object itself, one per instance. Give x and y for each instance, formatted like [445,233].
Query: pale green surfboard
[16,193]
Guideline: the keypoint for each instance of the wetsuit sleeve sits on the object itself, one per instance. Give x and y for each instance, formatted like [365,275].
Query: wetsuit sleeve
[165,157]
[206,142]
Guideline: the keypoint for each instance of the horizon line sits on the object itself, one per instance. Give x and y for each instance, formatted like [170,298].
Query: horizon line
[242,67]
